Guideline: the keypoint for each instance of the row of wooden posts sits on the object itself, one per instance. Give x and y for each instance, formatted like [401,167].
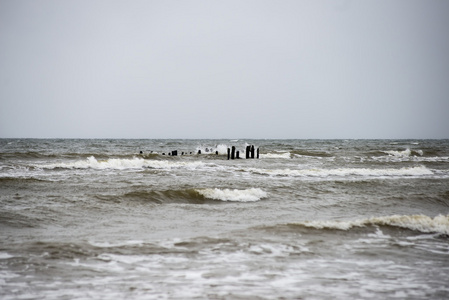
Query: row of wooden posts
[250,152]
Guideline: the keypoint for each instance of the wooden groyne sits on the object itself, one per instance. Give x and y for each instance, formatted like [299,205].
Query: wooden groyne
[232,153]
[249,153]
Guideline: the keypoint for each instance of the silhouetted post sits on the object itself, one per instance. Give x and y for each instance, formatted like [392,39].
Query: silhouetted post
[252,151]
[199,151]
[233,152]
[257,153]
[174,153]
[216,152]
[237,154]
[247,151]
[229,153]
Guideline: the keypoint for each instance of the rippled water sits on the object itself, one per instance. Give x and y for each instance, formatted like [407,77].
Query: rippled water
[309,219]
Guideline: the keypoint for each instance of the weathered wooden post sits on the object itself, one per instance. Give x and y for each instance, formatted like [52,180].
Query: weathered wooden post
[237,154]
[229,153]
[199,151]
[252,151]
[233,152]
[257,153]
[247,151]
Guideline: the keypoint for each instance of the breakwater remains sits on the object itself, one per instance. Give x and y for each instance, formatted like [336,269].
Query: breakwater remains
[250,152]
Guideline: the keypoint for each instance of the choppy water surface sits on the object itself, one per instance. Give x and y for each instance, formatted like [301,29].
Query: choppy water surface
[309,219]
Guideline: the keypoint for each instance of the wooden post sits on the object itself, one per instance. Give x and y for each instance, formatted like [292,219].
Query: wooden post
[229,153]
[247,152]
[233,152]
[252,151]
[257,153]
[237,154]
[199,151]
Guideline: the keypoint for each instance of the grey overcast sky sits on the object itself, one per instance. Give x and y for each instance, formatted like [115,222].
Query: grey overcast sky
[224,69]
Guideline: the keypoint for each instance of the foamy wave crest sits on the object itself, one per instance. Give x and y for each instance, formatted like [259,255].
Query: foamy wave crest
[164,164]
[121,164]
[248,195]
[415,171]
[406,153]
[276,155]
[439,224]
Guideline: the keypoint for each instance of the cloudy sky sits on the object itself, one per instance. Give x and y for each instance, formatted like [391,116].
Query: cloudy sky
[224,69]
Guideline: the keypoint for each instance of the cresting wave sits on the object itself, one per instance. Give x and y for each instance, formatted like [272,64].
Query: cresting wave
[405,153]
[422,223]
[121,164]
[247,195]
[276,155]
[192,196]
[415,171]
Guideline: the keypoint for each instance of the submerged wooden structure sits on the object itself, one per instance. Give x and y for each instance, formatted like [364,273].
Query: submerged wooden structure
[250,152]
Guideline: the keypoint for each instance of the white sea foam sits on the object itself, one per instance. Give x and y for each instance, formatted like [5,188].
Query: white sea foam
[413,158]
[439,224]
[415,171]
[121,164]
[406,152]
[248,195]
[4,255]
[164,164]
[118,244]
[276,155]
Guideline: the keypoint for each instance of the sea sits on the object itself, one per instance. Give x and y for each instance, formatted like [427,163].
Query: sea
[306,219]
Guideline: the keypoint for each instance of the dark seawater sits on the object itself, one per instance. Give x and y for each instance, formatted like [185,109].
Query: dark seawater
[309,219]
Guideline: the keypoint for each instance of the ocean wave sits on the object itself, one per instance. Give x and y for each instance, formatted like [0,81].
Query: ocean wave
[21,178]
[309,153]
[45,155]
[192,196]
[414,171]
[166,196]
[296,153]
[285,155]
[405,153]
[247,195]
[121,164]
[414,155]
[422,223]
[413,158]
